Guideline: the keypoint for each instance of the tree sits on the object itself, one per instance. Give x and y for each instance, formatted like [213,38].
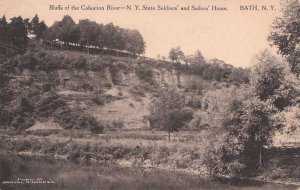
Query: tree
[197,58]
[239,76]
[34,24]
[286,33]
[275,88]
[100,38]
[240,126]
[66,30]
[54,32]
[274,82]
[89,31]
[17,32]
[111,37]
[134,41]
[291,120]
[227,132]
[176,119]
[243,120]
[197,62]
[167,112]
[27,24]
[267,75]
[40,30]
[3,29]
[176,54]
[49,34]
[36,27]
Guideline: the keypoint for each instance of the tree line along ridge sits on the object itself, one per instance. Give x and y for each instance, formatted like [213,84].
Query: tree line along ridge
[85,33]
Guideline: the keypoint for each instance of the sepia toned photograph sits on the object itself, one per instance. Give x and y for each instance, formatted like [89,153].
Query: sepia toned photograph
[149,95]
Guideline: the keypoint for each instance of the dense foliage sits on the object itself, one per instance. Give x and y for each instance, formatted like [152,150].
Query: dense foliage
[213,69]
[89,33]
[176,54]
[286,32]
[86,33]
[167,113]
[243,120]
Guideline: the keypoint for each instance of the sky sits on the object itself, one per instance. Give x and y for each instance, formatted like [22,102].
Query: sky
[234,35]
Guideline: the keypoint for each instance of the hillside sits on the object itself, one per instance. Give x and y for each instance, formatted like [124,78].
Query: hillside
[115,91]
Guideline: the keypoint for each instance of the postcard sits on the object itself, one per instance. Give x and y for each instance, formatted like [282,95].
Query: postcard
[140,95]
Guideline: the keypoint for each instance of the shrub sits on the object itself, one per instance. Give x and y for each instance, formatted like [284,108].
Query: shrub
[145,73]
[114,71]
[138,90]
[183,162]
[46,87]
[23,145]
[194,103]
[70,119]
[24,105]
[6,95]
[22,122]
[86,87]
[47,104]
[5,116]
[108,85]
[98,99]
[116,124]
[198,123]
[95,126]
[3,78]
[76,119]
[120,93]
[79,63]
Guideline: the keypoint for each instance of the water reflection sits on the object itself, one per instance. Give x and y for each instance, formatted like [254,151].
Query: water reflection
[68,175]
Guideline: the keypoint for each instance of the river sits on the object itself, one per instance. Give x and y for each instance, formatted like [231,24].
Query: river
[18,173]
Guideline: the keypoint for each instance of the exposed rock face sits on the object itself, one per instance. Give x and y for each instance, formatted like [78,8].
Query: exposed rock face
[129,98]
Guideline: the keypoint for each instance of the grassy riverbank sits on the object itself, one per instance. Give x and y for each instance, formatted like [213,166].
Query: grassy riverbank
[140,148]
[147,149]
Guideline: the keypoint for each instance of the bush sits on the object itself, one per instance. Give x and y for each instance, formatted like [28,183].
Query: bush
[76,119]
[138,90]
[195,103]
[6,95]
[95,126]
[5,116]
[114,71]
[198,123]
[116,124]
[79,63]
[47,104]
[145,73]
[98,99]
[183,162]
[3,78]
[22,122]
[24,105]
[70,119]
